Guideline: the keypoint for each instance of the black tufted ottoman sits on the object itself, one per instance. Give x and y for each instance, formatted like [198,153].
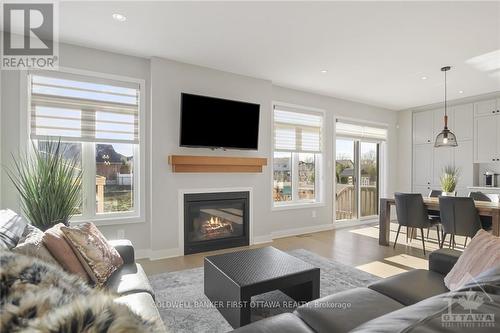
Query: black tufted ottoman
[231,279]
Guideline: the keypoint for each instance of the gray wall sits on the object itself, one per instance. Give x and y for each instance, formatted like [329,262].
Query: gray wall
[166,79]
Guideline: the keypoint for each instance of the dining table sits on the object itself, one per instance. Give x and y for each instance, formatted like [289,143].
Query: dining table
[484,208]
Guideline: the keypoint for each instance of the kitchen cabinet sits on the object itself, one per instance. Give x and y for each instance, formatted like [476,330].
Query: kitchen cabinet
[462,120]
[424,190]
[422,164]
[442,157]
[423,127]
[487,107]
[486,139]
[463,159]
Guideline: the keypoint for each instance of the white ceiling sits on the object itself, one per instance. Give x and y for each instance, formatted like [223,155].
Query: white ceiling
[374,52]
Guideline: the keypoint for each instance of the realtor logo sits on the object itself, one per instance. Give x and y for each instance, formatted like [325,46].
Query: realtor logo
[30,38]
[464,309]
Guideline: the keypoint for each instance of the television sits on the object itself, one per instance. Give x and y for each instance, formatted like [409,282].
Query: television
[218,123]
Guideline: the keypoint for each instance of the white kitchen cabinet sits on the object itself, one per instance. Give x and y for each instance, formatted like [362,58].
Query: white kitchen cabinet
[487,107]
[486,139]
[424,190]
[442,157]
[423,127]
[422,164]
[438,116]
[463,159]
[462,120]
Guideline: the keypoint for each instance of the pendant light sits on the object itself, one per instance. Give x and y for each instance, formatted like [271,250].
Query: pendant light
[446,138]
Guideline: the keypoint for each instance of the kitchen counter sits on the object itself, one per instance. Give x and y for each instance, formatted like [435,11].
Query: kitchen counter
[485,188]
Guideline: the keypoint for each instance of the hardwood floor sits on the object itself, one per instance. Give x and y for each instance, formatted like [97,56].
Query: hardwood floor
[355,246]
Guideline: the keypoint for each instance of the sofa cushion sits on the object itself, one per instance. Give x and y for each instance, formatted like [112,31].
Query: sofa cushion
[481,254]
[435,315]
[11,228]
[129,279]
[411,287]
[143,305]
[442,260]
[346,310]
[283,323]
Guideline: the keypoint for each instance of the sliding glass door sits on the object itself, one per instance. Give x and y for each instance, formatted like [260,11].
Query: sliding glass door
[346,178]
[368,185]
[357,179]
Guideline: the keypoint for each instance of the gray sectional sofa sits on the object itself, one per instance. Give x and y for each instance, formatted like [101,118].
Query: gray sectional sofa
[415,301]
[132,284]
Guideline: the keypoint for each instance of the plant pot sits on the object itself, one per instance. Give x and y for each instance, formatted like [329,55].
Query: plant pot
[447,194]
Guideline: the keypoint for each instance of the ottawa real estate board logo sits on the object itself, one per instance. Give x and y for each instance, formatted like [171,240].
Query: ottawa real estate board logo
[29,35]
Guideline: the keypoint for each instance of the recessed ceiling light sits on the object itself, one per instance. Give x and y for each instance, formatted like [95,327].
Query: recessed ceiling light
[424,77]
[119,17]
[324,71]
[460,91]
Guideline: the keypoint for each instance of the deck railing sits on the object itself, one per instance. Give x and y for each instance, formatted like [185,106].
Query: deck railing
[345,198]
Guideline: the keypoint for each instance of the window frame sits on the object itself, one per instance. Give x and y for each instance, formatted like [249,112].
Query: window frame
[89,213]
[319,165]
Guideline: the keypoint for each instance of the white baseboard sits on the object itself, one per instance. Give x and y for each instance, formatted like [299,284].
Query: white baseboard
[262,239]
[157,254]
[301,231]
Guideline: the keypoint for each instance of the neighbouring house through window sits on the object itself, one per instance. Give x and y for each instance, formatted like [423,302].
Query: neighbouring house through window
[297,155]
[97,122]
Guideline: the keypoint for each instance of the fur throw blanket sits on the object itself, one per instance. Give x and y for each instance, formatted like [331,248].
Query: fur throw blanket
[38,297]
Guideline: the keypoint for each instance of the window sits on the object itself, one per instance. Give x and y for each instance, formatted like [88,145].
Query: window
[297,158]
[97,121]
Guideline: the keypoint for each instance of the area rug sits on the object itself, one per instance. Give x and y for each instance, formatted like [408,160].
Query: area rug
[184,307]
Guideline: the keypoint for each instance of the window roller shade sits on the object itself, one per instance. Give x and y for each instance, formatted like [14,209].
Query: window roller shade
[77,110]
[297,131]
[358,130]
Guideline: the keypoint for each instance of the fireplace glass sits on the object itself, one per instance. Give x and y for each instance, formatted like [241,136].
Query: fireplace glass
[215,220]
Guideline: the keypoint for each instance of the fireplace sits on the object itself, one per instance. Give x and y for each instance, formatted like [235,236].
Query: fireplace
[215,221]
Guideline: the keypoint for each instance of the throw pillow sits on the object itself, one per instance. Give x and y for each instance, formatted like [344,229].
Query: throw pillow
[482,254]
[57,245]
[11,228]
[31,244]
[90,244]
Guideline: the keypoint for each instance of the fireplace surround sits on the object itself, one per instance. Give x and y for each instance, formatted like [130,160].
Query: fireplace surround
[215,220]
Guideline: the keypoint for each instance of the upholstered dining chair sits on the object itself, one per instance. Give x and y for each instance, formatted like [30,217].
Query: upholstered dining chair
[434,214]
[486,221]
[459,216]
[412,213]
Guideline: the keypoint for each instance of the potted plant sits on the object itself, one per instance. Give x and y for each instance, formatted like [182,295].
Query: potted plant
[449,179]
[48,181]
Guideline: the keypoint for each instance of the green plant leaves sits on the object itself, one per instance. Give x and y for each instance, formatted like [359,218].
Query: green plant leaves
[48,182]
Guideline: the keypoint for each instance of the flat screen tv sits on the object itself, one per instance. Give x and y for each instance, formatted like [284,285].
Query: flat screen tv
[218,123]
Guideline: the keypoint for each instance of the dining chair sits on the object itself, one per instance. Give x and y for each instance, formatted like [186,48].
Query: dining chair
[459,216]
[435,214]
[486,221]
[412,213]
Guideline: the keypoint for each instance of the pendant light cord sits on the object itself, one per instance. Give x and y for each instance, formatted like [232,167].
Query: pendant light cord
[445,97]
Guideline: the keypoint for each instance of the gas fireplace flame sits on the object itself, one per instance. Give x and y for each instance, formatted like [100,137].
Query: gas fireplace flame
[216,225]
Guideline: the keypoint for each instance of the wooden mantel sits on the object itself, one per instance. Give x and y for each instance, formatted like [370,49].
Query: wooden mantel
[186,163]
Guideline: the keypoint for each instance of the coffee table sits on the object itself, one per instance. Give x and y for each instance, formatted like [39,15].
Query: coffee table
[231,279]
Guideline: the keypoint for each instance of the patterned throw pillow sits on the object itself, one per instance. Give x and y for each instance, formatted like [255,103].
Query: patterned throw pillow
[60,249]
[481,254]
[99,258]
[31,244]
[11,228]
